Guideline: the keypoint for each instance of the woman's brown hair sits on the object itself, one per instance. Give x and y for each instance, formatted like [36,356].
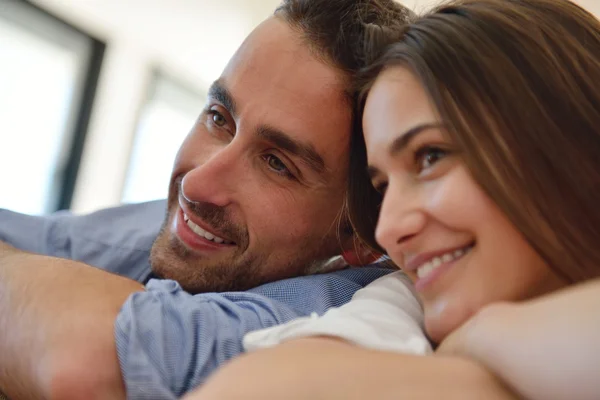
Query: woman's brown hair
[517,84]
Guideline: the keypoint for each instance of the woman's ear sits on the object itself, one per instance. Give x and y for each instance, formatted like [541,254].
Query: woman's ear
[357,253]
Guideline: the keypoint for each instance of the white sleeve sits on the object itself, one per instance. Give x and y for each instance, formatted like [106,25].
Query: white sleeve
[384,315]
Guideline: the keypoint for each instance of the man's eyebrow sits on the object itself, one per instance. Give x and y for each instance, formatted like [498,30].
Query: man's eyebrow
[305,151]
[219,92]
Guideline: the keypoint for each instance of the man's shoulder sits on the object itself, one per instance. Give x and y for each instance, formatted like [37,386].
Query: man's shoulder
[116,239]
[122,225]
[137,214]
[320,292]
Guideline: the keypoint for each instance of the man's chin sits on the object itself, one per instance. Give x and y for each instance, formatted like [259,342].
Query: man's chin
[197,275]
[208,278]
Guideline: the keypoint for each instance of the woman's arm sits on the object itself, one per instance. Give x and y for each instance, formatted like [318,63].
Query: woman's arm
[320,368]
[547,348]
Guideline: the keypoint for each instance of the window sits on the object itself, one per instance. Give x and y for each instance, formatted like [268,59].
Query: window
[48,75]
[165,120]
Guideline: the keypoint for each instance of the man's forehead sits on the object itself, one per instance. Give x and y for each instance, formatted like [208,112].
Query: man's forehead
[275,79]
[275,55]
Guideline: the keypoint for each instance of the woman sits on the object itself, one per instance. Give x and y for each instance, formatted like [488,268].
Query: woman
[482,132]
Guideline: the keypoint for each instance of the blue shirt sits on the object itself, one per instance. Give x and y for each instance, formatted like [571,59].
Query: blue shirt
[169,341]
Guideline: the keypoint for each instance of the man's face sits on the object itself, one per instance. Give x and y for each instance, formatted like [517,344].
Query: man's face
[259,182]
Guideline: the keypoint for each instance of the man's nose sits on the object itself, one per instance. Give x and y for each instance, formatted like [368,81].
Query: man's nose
[214,180]
[401,218]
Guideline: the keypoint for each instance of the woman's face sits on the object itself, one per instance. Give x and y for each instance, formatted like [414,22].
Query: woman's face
[436,223]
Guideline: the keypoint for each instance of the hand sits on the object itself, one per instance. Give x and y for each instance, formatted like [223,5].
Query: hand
[544,349]
[472,338]
[453,344]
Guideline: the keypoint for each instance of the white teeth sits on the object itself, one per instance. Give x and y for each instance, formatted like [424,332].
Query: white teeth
[201,232]
[425,269]
[429,266]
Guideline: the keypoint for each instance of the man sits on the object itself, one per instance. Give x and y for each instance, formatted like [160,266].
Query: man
[256,196]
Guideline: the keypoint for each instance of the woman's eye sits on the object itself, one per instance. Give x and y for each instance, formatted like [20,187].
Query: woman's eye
[381,188]
[427,156]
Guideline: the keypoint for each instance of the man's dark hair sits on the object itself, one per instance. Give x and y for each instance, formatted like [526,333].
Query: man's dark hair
[347,33]
[350,35]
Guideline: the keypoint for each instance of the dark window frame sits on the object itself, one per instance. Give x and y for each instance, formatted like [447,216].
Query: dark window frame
[68,168]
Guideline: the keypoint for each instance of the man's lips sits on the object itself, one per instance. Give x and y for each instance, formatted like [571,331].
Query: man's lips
[200,228]
[205,233]
[191,239]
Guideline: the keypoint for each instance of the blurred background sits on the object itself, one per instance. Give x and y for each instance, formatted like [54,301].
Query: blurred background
[97,95]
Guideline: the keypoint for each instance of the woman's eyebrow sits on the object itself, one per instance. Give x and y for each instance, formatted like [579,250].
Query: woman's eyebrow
[403,140]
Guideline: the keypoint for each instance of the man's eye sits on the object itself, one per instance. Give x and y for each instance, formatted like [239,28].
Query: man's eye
[427,156]
[277,165]
[217,118]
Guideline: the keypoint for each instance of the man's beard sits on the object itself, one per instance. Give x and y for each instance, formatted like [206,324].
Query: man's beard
[171,259]
[175,262]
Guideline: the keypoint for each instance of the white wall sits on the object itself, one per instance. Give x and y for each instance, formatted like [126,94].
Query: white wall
[590,5]
[422,5]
